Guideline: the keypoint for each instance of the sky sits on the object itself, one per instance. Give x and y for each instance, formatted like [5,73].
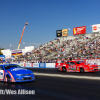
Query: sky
[44,17]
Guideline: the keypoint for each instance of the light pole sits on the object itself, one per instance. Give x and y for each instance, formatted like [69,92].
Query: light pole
[26,23]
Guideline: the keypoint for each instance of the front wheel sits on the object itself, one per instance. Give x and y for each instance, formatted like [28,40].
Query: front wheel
[63,69]
[81,70]
[8,79]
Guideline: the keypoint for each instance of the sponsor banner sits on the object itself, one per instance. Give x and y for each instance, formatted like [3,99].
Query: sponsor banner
[16,52]
[20,53]
[50,65]
[96,28]
[28,64]
[2,57]
[57,65]
[31,64]
[36,65]
[65,32]
[79,30]
[93,61]
[42,65]
[22,64]
[18,64]
[58,33]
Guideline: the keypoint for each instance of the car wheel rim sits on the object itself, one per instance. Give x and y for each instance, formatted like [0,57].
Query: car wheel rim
[64,69]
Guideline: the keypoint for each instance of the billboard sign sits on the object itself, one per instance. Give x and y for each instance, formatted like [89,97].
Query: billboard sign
[16,52]
[59,33]
[96,28]
[65,32]
[79,30]
[2,57]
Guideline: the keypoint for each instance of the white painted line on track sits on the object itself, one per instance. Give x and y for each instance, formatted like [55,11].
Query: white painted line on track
[68,76]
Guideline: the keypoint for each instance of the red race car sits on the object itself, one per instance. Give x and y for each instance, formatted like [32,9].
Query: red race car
[77,66]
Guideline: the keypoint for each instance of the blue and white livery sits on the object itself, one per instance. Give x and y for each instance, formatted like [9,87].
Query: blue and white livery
[14,73]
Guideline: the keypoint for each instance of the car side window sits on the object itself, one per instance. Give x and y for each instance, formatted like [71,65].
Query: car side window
[1,68]
[72,63]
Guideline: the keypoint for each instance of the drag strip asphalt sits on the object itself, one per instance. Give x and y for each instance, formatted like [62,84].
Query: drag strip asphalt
[56,71]
[55,87]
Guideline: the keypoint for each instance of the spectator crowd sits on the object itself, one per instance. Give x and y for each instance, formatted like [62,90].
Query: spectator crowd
[81,47]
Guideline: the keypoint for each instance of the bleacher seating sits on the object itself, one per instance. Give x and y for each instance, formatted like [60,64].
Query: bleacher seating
[65,47]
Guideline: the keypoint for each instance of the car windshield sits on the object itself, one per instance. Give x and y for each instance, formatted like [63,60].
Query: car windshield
[78,62]
[71,63]
[11,66]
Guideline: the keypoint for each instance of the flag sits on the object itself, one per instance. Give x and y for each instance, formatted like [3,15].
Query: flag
[23,43]
[68,28]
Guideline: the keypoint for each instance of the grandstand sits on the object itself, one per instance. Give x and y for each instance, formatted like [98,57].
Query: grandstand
[78,46]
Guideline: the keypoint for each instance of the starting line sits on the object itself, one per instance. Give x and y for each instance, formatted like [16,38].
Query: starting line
[68,76]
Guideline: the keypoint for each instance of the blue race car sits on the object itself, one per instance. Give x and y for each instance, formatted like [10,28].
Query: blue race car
[15,73]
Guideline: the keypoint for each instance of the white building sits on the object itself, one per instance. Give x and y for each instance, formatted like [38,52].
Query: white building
[8,52]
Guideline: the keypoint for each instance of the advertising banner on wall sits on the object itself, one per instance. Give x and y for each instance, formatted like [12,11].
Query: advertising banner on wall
[2,57]
[79,30]
[42,65]
[96,28]
[50,65]
[36,65]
